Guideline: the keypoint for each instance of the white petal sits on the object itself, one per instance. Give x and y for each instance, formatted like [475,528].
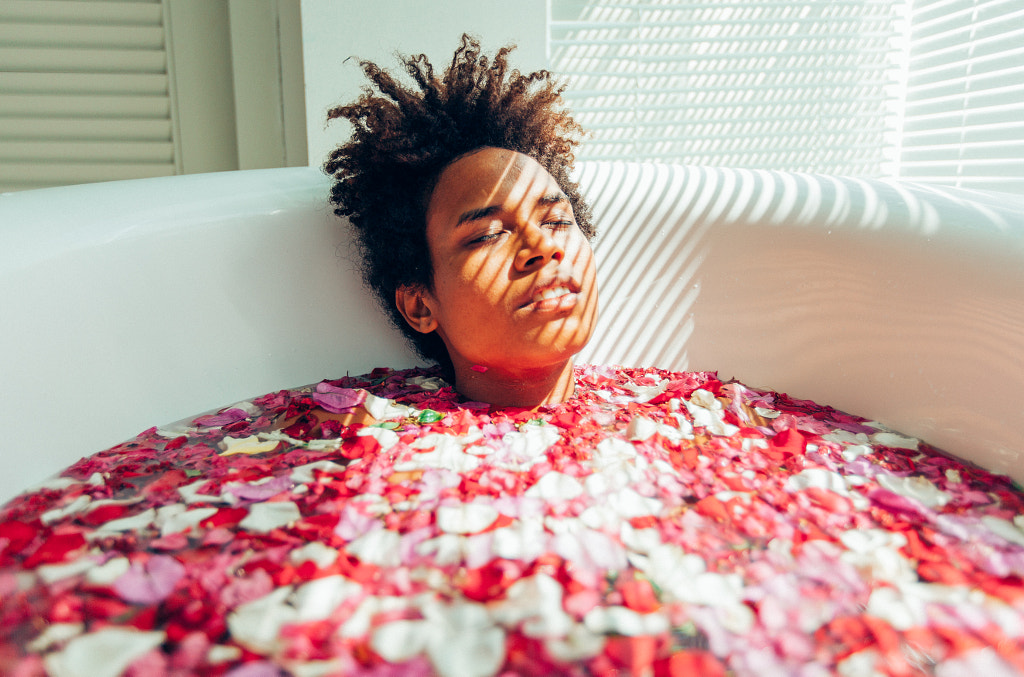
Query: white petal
[109,572]
[256,625]
[76,506]
[319,554]
[647,393]
[174,518]
[50,573]
[918,488]
[1004,528]
[983,661]
[383,409]
[640,428]
[536,602]
[736,618]
[530,443]
[379,546]
[612,451]
[105,653]
[445,549]
[133,523]
[326,668]
[893,440]
[902,612]
[466,518]
[359,623]
[246,445]
[55,633]
[447,454]
[623,621]
[704,399]
[264,517]
[524,540]
[555,486]
[220,653]
[860,664]
[578,645]
[317,599]
[386,438]
[628,504]
[466,644]
[399,641]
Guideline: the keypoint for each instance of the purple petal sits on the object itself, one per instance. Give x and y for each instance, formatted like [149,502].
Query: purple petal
[260,492]
[223,418]
[853,427]
[151,582]
[898,504]
[337,400]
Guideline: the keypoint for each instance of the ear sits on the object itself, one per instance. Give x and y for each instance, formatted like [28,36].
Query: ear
[412,304]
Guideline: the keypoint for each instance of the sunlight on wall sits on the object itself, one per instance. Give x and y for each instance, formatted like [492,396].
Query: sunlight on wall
[931,90]
[808,86]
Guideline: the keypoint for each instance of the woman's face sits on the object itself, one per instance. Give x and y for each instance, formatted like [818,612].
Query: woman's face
[514,284]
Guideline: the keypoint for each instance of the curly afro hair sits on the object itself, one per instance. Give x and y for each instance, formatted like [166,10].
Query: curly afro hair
[404,137]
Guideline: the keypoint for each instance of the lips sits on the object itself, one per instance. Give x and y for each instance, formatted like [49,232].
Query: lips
[553,293]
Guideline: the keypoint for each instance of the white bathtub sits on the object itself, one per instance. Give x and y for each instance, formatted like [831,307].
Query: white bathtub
[131,304]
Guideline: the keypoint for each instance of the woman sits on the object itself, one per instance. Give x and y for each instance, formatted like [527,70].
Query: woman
[473,236]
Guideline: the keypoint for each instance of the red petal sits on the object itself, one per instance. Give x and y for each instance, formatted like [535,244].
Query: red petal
[634,653]
[55,549]
[687,663]
[17,534]
[362,445]
[639,596]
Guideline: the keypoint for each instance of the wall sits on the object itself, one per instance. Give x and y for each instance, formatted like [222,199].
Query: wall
[337,34]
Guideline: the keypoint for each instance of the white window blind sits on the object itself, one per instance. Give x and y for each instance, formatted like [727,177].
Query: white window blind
[85,93]
[964,122]
[806,85]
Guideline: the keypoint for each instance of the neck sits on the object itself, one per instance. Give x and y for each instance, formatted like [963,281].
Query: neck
[527,388]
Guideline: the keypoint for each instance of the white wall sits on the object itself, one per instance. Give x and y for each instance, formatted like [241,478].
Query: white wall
[335,30]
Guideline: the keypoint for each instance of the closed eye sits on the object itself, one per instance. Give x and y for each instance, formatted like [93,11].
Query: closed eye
[486,237]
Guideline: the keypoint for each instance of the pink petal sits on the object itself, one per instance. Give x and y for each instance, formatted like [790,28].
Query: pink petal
[337,400]
[150,582]
[223,418]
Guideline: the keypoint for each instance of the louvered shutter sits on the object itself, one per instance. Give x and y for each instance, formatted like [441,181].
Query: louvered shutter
[805,85]
[84,92]
[964,123]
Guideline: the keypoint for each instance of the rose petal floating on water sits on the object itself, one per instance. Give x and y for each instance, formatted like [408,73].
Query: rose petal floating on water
[918,488]
[247,445]
[221,419]
[467,518]
[104,653]
[259,490]
[683,548]
[151,581]
[337,400]
[264,517]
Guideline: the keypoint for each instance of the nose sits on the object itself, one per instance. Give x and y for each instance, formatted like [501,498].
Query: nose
[537,248]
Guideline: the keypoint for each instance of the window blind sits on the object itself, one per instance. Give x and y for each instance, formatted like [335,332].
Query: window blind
[85,92]
[804,85]
[964,120]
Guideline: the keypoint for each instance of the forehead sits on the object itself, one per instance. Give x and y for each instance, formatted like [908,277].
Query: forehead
[489,177]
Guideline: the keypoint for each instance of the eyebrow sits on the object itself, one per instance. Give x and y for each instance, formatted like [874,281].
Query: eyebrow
[485,212]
